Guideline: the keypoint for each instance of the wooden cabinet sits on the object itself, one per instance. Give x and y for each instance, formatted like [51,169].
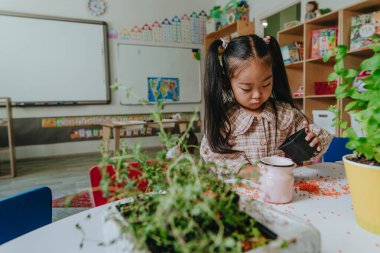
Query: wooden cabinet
[240,28]
[306,72]
[7,122]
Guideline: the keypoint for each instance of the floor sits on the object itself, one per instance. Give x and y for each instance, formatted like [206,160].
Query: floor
[64,175]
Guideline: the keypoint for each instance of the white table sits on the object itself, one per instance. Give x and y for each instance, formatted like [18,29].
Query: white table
[331,215]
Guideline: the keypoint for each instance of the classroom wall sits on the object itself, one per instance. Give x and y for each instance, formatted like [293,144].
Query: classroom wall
[119,14]
[260,9]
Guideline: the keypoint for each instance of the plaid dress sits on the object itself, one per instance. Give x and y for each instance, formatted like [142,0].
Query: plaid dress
[255,136]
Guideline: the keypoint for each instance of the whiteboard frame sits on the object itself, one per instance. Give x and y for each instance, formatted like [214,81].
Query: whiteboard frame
[106,58]
[200,47]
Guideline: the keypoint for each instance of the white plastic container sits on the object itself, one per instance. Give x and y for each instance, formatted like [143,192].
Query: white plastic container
[324,119]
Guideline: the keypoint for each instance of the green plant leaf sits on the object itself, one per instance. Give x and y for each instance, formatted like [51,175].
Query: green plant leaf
[351,105]
[339,67]
[372,63]
[375,48]
[341,91]
[333,76]
[328,55]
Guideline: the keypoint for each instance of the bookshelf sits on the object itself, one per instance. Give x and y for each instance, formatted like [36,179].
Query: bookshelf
[311,70]
[239,27]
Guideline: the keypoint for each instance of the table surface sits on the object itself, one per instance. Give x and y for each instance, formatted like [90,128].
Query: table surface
[321,197]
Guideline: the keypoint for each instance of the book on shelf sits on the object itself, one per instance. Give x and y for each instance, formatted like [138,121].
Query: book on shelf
[323,40]
[364,29]
[292,53]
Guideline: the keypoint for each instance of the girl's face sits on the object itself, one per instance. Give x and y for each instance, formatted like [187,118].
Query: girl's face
[252,85]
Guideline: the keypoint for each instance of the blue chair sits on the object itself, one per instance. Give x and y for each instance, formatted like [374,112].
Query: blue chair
[336,150]
[25,212]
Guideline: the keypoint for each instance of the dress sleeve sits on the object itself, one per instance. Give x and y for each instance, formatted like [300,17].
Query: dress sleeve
[324,136]
[227,164]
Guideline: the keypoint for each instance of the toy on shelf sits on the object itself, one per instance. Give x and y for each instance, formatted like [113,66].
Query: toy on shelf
[214,22]
[291,24]
[364,29]
[300,92]
[312,10]
[233,11]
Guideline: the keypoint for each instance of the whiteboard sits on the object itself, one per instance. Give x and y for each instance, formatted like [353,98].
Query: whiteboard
[44,60]
[141,65]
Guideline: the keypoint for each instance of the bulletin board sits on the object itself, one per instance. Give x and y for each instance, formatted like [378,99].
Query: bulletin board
[152,73]
[53,61]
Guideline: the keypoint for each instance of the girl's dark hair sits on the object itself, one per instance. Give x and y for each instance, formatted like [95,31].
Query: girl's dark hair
[315,5]
[218,92]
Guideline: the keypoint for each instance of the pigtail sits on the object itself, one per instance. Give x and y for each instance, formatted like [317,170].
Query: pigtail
[217,125]
[282,92]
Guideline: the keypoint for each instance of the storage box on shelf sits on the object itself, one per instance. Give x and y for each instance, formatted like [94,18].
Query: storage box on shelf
[313,70]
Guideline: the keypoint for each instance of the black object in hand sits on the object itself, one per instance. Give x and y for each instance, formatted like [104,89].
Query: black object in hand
[297,148]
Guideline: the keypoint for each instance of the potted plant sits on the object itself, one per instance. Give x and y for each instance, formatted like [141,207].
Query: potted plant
[186,208]
[363,167]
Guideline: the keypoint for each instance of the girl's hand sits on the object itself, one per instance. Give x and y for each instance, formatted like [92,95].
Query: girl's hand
[312,137]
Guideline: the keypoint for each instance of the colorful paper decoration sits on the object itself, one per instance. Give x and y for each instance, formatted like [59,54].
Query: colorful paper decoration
[136,33]
[176,29]
[202,26]
[147,33]
[156,31]
[185,29]
[125,34]
[112,33]
[194,28]
[167,30]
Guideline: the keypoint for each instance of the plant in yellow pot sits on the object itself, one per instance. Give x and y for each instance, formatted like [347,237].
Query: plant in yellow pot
[361,87]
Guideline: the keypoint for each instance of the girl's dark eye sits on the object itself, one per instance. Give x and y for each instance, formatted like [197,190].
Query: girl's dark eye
[266,85]
[244,90]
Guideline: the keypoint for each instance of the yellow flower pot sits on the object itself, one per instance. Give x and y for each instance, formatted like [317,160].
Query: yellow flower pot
[364,182]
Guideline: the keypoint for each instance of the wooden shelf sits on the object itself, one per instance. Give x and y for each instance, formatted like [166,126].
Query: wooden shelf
[320,60]
[321,96]
[365,51]
[364,6]
[296,30]
[240,27]
[298,64]
[309,71]
[329,19]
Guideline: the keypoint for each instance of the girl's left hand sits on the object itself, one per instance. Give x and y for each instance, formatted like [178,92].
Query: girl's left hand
[312,137]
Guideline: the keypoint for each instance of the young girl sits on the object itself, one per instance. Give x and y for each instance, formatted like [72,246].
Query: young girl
[249,111]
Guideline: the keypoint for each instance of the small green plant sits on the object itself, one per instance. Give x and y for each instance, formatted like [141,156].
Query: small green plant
[179,205]
[364,102]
